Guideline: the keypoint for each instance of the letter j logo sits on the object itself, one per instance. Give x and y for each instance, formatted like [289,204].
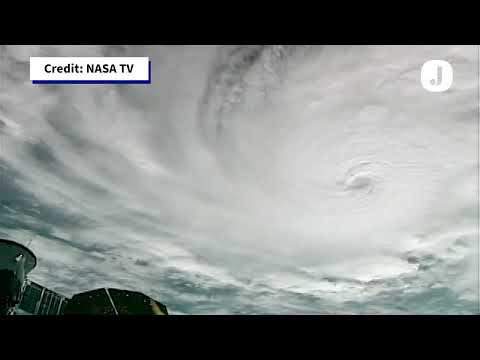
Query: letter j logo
[437,76]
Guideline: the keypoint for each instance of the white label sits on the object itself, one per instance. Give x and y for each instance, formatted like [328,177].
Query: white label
[436,76]
[90,70]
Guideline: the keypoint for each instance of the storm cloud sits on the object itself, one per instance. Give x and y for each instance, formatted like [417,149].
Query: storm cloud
[251,179]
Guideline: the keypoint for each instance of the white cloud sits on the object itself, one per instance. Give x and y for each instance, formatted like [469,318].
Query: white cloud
[274,169]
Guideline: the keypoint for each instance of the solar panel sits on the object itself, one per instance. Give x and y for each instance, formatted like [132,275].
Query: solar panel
[38,300]
[108,301]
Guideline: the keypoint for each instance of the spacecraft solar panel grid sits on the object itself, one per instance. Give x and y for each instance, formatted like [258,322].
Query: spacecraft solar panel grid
[30,298]
[39,300]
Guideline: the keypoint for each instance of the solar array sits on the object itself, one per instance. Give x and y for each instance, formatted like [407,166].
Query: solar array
[39,300]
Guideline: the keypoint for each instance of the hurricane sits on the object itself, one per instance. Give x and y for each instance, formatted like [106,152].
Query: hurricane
[250,179]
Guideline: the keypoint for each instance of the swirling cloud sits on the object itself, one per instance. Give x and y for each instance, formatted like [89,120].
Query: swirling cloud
[250,179]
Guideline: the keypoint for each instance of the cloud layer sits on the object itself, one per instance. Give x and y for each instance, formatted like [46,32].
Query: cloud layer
[250,179]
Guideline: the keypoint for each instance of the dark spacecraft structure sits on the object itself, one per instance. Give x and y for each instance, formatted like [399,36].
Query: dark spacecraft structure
[19,295]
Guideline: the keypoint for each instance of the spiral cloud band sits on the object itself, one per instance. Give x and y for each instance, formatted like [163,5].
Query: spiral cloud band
[250,179]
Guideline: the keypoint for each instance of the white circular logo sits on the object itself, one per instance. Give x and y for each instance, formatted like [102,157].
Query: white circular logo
[437,76]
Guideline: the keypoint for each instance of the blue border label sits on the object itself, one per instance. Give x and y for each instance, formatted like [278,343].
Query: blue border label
[149,81]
